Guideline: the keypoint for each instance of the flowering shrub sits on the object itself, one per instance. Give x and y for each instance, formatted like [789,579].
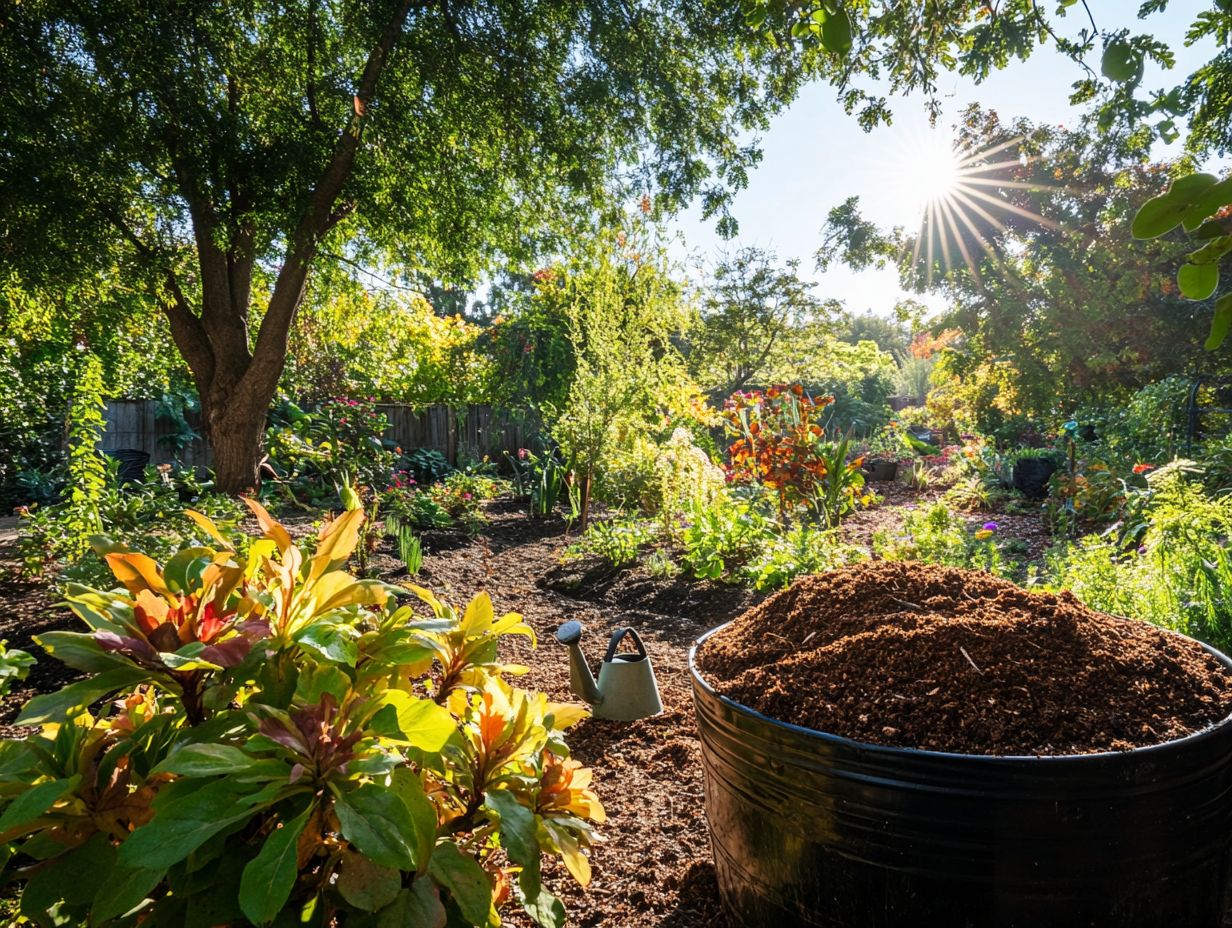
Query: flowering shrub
[778,439]
[461,495]
[280,742]
[311,454]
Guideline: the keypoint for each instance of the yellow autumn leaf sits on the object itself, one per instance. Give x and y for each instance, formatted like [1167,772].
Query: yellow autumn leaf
[137,572]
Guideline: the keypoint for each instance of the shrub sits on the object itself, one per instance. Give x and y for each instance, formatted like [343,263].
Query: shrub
[778,443]
[1179,576]
[312,454]
[461,495]
[280,742]
[415,508]
[802,550]
[720,539]
[146,515]
[938,536]
[618,541]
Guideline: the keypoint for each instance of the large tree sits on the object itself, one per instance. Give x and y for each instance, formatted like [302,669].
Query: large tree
[226,147]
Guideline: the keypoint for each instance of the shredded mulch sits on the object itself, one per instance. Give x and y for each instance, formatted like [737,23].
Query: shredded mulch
[942,659]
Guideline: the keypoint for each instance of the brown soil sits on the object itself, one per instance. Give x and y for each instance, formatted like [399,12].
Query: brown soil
[950,660]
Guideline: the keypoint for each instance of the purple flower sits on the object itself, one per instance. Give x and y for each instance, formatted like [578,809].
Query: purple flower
[1141,549]
[990,526]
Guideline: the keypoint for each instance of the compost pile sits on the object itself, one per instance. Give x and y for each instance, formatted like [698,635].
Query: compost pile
[952,660]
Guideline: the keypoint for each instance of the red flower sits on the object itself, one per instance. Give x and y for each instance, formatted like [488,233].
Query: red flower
[1143,468]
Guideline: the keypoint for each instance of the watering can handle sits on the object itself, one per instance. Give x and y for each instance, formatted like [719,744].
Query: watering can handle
[615,642]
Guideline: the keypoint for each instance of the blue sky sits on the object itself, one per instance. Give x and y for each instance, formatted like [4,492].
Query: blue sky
[814,138]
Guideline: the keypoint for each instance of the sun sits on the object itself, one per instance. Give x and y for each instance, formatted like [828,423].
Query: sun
[959,197]
[929,170]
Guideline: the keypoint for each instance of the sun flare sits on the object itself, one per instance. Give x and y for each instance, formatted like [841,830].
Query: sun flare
[960,198]
[930,170]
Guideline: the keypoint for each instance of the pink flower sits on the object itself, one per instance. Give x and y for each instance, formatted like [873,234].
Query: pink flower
[523,454]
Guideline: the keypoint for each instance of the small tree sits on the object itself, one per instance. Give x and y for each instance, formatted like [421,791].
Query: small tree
[625,313]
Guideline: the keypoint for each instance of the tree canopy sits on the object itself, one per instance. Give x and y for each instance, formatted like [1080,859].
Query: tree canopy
[222,147]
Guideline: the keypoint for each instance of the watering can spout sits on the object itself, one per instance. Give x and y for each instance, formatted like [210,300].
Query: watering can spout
[581,680]
[626,689]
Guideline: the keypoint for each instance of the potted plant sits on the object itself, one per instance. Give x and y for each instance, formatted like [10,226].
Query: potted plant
[883,451]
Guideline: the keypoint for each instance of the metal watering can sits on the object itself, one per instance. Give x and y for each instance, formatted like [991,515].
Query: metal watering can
[626,689]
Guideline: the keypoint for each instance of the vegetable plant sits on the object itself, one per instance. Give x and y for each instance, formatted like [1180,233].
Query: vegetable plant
[265,739]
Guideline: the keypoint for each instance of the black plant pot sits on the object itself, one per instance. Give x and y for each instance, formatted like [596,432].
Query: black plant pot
[882,471]
[1031,476]
[810,830]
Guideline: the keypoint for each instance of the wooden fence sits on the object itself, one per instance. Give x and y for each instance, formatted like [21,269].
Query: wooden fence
[461,435]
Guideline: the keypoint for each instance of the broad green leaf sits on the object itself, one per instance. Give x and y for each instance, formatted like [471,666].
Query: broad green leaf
[34,802]
[75,877]
[546,910]
[206,760]
[417,907]
[270,876]
[1121,63]
[335,643]
[181,826]
[378,823]
[52,707]
[462,876]
[407,786]
[1221,323]
[1198,281]
[80,651]
[518,837]
[1165,212]
[183,571]
[367,885]
[423,723]
[836,32]
[124,890]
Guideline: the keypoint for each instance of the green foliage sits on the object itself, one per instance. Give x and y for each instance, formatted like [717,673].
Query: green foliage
[624,312]
[1180,574]
[410,548]
[618,540]
[15,666]
[280,742]
[541,479]
[426,465]
[313,453]
[839,492]
[415,508]
[147,515]
[752,309]
[87,470]
[345,337]
[462,494]
[1195,202]
[801,550]
[719,540]
[937,535]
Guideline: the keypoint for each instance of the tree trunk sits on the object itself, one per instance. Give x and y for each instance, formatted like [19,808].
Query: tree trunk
[236,434]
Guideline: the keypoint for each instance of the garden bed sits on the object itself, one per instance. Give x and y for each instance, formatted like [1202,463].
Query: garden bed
[655,867]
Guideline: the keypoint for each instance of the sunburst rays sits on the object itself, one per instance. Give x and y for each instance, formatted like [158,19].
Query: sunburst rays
[966,200]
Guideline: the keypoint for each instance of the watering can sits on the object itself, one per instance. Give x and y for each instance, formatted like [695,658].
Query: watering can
[626,689]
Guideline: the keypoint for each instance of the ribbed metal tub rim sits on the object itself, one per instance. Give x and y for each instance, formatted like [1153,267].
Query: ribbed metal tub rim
[891,751]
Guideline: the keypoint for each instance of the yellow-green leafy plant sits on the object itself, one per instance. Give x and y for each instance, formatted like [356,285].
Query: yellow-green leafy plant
[266,739]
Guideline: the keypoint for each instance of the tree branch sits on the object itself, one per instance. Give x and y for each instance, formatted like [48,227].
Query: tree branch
[269,356]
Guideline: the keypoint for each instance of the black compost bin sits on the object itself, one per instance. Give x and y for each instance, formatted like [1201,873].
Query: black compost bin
[809,829]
